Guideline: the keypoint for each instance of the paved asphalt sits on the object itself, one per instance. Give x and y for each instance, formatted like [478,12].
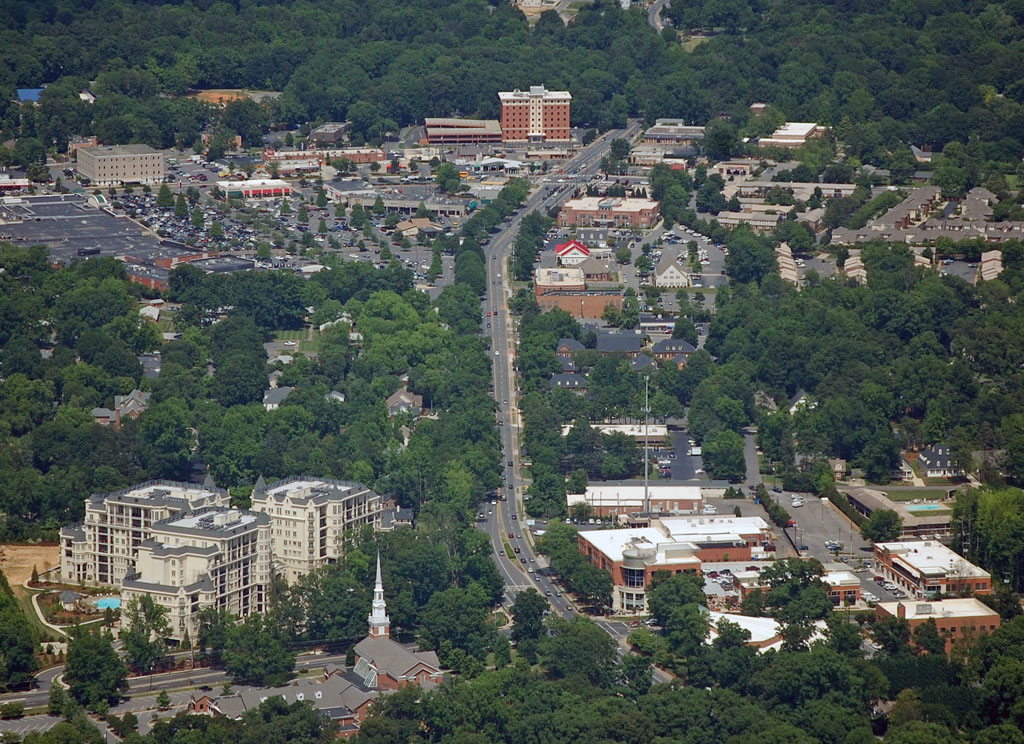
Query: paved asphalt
[504,517]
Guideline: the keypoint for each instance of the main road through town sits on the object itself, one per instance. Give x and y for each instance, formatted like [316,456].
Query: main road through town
[519,569]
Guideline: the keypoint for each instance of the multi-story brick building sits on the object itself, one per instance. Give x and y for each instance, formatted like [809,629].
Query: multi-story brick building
[536,115]
[100,549]
[677,545]
[608,211]
[119,164]
[309,517]
[960,621]
[925,568]
[213,558]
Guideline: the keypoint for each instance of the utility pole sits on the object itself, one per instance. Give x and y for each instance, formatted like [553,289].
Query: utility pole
[647,461]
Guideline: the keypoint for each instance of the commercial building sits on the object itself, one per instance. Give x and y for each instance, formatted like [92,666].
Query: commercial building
[310,517]
[462,131]
[843,587]
[610,498]
[656,434]
[609,211]
[214,558]
[100,549]
[260,188]
[792,135]
[536,115]
[958,620]
[676,545]
[673,132]
[120,164]
[926,568]
[571,253]
[329,133]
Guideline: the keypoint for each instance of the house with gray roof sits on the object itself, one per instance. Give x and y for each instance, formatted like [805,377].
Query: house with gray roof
[937,462]
[569,381]
[670,348]
[620,343]
[274,397]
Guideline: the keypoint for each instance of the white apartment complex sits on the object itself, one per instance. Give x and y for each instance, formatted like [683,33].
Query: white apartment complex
[309,517]
[100,549]
[214,558]
[118,164]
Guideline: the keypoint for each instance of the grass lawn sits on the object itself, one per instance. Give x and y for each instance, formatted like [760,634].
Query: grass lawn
[692,43]
[311,347]
[299,335]
[931,494]
[25,600]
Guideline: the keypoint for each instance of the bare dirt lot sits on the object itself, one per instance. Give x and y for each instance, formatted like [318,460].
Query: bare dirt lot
[16,561]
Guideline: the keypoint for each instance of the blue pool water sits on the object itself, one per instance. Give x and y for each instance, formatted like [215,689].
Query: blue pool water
[924,507]
[108,603]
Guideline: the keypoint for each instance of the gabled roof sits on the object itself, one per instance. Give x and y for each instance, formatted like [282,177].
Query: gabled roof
[592,265]
[936,457]
[392,658]
[642,361]
[570,344]
[619,343]
[276,395]
[673,346]
[573,246]
[568,381]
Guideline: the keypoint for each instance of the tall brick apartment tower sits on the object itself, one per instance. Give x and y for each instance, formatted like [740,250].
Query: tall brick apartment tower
[537,115]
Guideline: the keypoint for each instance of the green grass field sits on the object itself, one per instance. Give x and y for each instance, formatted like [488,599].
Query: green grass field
[299,335]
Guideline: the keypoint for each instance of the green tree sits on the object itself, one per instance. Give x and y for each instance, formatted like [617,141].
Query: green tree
[578,648]
[528,615]
[163,700]
[164,197]
[95,674]
[198,220]
[217,231]
[669,592]
[884,525]
[181,206]
[255,653]
[723,456]
[143,636]
[447,177]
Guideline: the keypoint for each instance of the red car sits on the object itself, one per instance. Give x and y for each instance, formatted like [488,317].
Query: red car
[511,536]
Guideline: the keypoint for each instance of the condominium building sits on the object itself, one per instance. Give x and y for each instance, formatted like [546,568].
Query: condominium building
[608,211]
[536,115]
[100,549]
[213,558]
[310,516]
[925,568]
[119,164]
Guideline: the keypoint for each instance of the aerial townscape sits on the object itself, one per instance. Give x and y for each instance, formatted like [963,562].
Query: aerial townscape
[534,372]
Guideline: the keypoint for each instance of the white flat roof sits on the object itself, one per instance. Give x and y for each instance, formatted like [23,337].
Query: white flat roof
[630,430]
[613,203]
[559,276]
[629,494]
[969,607]
[255,183]
[932,558]
[795,129]
[611,543]
[761,629]
[691,527]
[840,578]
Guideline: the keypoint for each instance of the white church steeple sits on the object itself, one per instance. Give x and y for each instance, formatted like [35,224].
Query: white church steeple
[380,624]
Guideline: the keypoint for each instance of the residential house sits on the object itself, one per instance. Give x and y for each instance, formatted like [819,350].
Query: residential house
[403,401]
[274,397]
[937,462]
[668,349]
[642,362]
[838,466]
[628,344]
[801,399]
[567,381]
[567,347]
[128,406]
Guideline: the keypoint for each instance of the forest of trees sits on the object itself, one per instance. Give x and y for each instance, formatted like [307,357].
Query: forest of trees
[882,76]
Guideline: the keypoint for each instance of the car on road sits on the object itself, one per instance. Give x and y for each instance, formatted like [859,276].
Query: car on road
[511,536]
[802,548]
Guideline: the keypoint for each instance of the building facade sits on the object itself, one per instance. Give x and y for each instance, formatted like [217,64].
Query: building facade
[214,558]
[119,164]
[960,621]
[310,517]
[536,115]
[100,549]
[608,211]
[462,131]
[927,568]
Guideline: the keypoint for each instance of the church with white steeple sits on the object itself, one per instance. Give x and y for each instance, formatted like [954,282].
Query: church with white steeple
[380,624]
[384,664]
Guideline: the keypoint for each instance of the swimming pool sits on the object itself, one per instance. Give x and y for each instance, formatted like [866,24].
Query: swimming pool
[108,603]
[925,507]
